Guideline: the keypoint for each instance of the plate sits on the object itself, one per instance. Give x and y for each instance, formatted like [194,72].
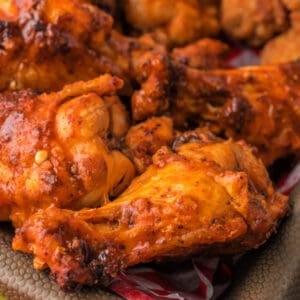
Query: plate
[271,272]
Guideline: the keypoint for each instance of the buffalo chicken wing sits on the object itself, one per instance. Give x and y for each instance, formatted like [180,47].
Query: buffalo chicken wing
[259,104]
[46,44]
[204,195]
[62,148]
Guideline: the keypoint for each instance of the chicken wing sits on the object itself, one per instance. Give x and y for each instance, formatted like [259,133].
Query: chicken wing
[174,22]
[260,104]
[46,44]
[254,21]
[205,195]
[62,148]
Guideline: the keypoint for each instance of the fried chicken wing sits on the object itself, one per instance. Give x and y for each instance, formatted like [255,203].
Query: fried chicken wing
[174,22]
[46,44]
[254,21]
[259,104]
[62,148]
[205,195]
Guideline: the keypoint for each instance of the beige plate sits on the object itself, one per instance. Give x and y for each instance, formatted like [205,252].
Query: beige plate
[273,271]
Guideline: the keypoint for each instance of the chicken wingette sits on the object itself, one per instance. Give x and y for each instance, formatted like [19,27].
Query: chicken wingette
[260,104]
[62,148]
[203,195]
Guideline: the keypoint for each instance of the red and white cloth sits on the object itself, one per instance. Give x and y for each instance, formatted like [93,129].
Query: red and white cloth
[199,278]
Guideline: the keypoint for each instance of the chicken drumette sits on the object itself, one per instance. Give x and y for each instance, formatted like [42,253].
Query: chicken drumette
[62,148]
[204,195]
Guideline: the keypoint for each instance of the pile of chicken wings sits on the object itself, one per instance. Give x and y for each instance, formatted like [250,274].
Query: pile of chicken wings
[125,137]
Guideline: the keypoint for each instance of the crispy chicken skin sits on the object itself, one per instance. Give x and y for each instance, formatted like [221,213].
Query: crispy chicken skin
[174,22]
[61,148]
[259,104]
[145,138]
[254,21]
[204,195]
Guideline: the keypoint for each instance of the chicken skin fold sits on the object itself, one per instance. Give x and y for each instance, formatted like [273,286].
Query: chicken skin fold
[62,148]
[260,104]
[203,195]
